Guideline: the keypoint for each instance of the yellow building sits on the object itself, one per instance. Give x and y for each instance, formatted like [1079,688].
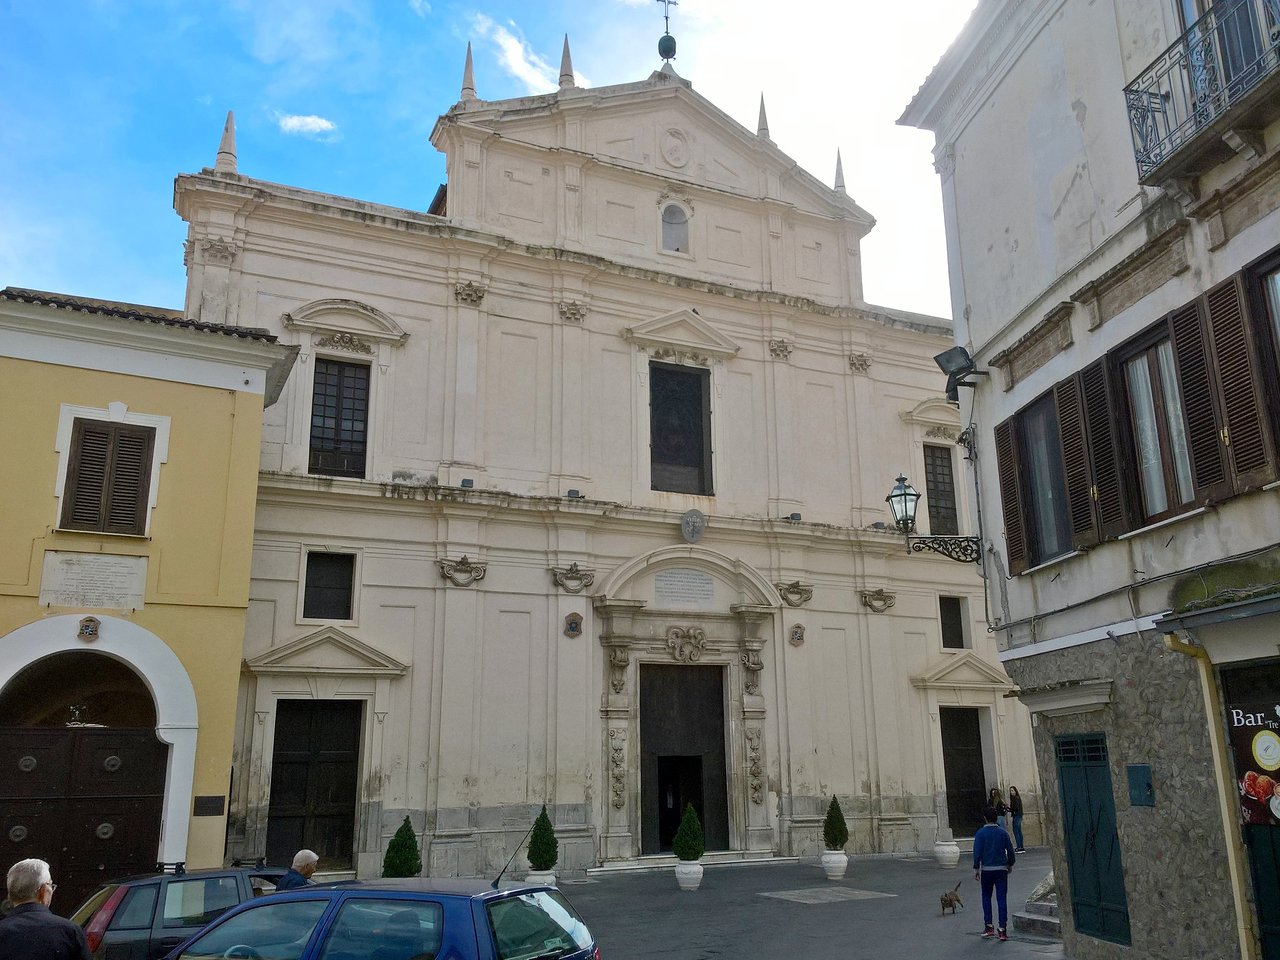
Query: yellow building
[128,474]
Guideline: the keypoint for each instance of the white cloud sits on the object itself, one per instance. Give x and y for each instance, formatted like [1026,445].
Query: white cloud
[517,57]
[420,7]
[307,125]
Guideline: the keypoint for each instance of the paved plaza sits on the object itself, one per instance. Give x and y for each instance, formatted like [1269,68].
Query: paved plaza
[884,907]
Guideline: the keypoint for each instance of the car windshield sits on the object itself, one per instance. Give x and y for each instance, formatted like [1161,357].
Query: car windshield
[266,931]
[540,924]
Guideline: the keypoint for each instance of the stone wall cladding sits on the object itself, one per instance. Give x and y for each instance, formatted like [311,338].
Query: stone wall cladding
[476,841]
[1174,854]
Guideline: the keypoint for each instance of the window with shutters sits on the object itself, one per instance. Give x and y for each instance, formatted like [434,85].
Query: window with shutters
[339,418]
[1047,517]
[940,490]
[108,477]
[680,429]
[1173,419]
[1161,458]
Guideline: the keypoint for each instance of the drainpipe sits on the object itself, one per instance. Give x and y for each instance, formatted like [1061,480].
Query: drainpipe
[1228,802]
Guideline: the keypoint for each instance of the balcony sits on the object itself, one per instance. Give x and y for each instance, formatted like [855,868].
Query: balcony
[1209,94]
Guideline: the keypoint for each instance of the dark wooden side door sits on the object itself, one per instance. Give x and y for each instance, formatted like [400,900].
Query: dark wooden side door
[963,768]
[1099,903]
[315,768]
[89,800]
[682,754]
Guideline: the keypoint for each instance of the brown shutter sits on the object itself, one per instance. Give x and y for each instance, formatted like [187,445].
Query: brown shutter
[1075,463]
[1101,417]
[1251,459]
[1208,462]
[108,477]
[87,469]
[1015,540]
[127,494]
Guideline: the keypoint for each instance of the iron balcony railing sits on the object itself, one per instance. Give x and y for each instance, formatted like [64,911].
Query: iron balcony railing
[1221,58]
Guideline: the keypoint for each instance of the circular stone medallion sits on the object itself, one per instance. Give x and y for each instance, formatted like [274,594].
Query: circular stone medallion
[675,147]
[27,764]
[105,831]
[112,764]
[18,833]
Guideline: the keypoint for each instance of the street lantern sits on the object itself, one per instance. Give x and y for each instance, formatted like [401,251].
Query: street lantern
[902,500]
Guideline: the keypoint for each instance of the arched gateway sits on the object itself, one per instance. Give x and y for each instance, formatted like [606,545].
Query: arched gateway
[97,749]
[686,633]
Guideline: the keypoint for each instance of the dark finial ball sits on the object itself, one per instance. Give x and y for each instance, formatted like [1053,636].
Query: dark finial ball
[667,47]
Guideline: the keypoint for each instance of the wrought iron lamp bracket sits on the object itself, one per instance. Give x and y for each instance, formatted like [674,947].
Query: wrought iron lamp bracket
[960,549]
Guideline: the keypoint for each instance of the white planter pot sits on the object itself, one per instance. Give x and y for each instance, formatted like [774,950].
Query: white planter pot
[544,877]
[834,863]
[947,852]
[688,874]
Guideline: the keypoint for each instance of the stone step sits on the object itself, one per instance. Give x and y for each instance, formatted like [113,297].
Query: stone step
[1037,925]
[1043,908]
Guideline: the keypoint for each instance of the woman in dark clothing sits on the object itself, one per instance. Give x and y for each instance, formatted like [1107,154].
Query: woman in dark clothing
[997,801]
[1015,814]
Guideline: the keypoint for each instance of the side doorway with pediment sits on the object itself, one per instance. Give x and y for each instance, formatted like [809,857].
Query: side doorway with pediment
[966,701]
[317,728]
[688,710]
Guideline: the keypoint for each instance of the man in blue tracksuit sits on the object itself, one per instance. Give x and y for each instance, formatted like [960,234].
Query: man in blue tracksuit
[992,860]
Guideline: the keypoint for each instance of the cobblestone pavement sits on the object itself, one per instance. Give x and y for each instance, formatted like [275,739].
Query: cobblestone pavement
[884,907]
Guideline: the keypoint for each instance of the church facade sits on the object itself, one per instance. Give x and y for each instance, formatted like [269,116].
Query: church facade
[577,497]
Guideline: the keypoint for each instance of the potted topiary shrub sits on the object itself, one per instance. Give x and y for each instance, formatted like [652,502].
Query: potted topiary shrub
[544,851]
[835,834]
[403,858]
[688,846]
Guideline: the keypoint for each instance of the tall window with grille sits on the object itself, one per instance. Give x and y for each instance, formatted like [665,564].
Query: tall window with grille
[108,477]
[680,429]
[940,490]
[339,418]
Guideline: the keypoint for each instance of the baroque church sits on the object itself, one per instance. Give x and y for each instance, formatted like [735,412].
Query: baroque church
[576,496]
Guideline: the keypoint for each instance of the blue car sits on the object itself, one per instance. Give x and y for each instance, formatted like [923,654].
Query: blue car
[417,919]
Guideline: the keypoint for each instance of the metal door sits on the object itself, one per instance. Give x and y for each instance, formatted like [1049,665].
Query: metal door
[315,768]
[88,800]
[1099,905]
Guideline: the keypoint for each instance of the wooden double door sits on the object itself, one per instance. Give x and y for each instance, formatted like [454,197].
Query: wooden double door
[315,769]
[88,800]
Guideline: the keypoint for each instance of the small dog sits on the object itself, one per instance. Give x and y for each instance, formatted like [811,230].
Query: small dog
[951,898]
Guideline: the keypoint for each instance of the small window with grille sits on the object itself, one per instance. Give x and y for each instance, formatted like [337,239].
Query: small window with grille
[330,586]
[951,617]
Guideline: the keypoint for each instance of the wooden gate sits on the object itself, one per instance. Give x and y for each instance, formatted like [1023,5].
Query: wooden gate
[88,800]
[1099,905]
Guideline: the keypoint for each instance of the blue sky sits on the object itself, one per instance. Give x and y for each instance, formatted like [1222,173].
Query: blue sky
[103,103]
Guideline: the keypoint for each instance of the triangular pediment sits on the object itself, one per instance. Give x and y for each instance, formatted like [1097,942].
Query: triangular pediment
[327,652]
[335,315]
[684,332]
[965,671]
[663,126]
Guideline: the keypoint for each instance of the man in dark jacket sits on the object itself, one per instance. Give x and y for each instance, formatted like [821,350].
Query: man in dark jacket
[299,875]
[29,931]
[993,858]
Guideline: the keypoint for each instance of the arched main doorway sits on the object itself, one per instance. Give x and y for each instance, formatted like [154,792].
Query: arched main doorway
[84,773]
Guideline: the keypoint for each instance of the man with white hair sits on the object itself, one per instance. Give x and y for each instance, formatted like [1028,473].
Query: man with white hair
[299,875]
[30,931]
